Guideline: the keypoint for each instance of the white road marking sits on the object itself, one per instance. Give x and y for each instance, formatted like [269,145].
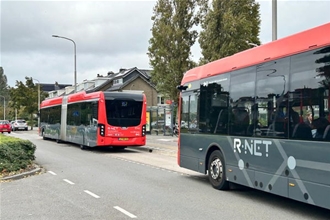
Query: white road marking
[125,212]
[92,194]
[51,172]
[165,140]
[68,181]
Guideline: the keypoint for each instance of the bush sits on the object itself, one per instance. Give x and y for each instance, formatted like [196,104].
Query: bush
[15,154]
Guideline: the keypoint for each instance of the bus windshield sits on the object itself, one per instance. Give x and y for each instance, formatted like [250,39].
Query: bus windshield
[123,112]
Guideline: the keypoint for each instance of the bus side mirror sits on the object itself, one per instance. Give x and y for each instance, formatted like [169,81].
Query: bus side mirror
[181,87]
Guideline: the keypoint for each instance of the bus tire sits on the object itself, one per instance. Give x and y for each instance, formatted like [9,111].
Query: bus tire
[58,140]
[43,135]
[217,171]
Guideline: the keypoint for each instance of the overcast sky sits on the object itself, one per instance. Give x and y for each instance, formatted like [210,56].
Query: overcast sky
[109,35]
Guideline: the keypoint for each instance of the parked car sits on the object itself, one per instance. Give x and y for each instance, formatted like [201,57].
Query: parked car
[5,126]
[19,125]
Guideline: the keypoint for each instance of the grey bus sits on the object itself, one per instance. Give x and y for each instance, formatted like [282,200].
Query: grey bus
[260,118]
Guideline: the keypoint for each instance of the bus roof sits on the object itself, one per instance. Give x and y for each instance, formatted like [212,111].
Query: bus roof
[51,102]
[297,43]
[81,96]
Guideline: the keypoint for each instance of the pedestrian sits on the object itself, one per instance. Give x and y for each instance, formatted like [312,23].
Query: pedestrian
[309,119]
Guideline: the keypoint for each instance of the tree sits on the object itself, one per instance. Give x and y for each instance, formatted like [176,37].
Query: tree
[3,83]
[4,90]
[228,27]
[172,37]
[25,97]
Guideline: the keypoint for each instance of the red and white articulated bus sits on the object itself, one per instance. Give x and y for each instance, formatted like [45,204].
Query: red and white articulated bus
[260,118]
[109,119]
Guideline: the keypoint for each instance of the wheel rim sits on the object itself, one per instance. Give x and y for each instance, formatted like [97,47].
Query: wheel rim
[216,169]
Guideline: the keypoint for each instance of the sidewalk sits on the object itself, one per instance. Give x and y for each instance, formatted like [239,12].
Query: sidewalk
[162,143]
[166,156]
[162,137]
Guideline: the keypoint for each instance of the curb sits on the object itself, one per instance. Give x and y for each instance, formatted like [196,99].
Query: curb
[22,175]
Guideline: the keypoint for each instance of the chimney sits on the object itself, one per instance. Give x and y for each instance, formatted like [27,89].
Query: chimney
[56,86]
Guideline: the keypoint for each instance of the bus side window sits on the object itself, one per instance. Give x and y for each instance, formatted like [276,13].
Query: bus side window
[326,135]
[240,120]
[254,128]
[95,111]
[94,122]
[221,122]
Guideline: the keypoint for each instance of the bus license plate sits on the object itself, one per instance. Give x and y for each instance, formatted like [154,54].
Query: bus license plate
[123,139]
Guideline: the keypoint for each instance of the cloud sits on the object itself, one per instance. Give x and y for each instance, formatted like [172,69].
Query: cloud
[108,35]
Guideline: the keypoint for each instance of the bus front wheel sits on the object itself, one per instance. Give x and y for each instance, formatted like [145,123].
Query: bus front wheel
[217,171]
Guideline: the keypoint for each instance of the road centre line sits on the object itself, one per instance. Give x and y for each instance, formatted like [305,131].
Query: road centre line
[125,212]
[92,194]
[68,181]
[51,172]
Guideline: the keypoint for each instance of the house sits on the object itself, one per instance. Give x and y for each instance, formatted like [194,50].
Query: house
[47,87]
[132,79]
[55,89]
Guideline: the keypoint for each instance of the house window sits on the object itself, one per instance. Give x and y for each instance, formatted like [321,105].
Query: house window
[161,100]
[117,81]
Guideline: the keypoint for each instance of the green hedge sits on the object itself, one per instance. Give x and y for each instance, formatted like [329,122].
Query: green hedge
[15,154]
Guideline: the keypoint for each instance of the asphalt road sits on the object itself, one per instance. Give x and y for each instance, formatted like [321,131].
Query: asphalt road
[134,183]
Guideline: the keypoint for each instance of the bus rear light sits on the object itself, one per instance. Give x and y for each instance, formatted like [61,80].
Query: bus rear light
[102,130]
[143,130]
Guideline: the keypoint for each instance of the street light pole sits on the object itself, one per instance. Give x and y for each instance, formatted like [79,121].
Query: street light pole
[75,60]
[4,107]
[274,20]
[38,102]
